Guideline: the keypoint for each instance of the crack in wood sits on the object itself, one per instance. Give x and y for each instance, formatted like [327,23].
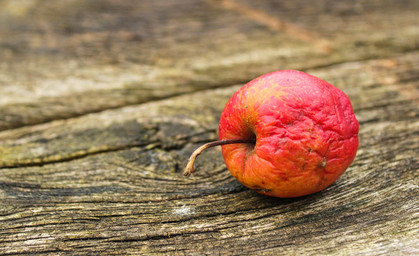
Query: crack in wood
[74,156]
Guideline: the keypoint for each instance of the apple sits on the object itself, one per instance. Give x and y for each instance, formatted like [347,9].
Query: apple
[286,134]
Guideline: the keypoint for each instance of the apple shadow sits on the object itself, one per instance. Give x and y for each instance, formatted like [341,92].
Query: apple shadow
[300,203]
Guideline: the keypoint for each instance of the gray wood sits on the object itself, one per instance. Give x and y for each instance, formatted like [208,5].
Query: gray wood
[101,103]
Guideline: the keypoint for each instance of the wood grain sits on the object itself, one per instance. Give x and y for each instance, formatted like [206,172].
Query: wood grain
[102,103]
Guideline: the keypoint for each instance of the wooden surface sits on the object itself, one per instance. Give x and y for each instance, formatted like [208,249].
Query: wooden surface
[101,103]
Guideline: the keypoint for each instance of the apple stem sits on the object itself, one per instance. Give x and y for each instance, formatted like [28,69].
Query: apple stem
[190,166]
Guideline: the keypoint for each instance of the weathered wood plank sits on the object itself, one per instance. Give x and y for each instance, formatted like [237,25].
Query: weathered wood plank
[101,103]
[132,197]
[71,52]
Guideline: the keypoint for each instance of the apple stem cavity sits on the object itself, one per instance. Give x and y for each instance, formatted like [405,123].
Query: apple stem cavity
[189,169]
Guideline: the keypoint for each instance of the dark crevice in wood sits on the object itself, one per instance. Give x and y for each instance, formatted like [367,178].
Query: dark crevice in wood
[71,158]
[364,59]
[155,144]
[38,252]
[165,236]
[387,104]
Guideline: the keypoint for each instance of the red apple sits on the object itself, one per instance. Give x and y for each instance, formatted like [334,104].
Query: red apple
[287,134]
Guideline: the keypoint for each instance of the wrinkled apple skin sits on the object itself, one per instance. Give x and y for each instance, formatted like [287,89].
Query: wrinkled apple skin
[306,134]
